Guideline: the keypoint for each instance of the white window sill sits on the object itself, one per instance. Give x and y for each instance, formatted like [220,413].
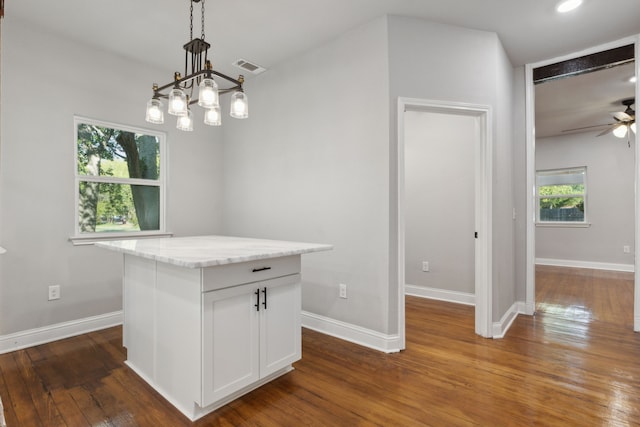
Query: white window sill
[564,224]
[90,240]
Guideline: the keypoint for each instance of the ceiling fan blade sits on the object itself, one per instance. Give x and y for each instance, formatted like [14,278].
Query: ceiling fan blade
[587,127]
[622,117]
[607,131]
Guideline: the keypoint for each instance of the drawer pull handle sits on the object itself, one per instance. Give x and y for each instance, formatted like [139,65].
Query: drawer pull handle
[255,270]
[264,303]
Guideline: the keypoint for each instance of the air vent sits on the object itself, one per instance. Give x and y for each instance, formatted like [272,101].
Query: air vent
[249,66]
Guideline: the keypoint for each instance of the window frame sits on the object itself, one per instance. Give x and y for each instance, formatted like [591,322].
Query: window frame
[584,195]
[83,238]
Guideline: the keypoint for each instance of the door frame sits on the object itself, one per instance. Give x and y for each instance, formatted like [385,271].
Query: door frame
[531,171]
[483,206]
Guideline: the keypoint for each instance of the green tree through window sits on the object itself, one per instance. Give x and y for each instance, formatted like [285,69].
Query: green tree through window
[118,179]
[561,195]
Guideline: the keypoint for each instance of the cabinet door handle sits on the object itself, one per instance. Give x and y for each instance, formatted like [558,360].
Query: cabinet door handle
[257,304]
[255,270]
[264,303]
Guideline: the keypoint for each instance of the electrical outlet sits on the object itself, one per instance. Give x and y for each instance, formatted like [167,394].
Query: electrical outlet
[343,290]
[425,265]
[54,292]
[626,249]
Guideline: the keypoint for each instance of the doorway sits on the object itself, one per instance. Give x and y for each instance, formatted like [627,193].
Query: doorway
[477,119]
[532,207]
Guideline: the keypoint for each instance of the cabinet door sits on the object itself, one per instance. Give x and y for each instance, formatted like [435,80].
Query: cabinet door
[280,338]
[230,359]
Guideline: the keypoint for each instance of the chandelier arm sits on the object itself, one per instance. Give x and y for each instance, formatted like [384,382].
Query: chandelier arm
[186,79]
[230,79]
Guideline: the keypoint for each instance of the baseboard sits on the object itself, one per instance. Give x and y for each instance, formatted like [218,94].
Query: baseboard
[585,264]
[500,328]
[440,294]
[37,336]
[352,333]
[528,308]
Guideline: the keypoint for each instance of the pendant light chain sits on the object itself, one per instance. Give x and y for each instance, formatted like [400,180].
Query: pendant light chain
[202,9]
[201,20]
[191,22]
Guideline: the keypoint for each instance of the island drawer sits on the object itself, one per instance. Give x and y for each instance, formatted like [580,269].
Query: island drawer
[224,276]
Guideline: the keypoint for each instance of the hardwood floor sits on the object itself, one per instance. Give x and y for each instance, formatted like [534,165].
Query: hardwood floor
[577,362]
[586,295]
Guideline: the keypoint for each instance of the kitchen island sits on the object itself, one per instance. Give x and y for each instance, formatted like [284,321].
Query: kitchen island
[210,318]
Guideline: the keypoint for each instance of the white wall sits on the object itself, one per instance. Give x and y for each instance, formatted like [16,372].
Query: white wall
[37,173]
[440,200]
[311,164]
[439,62]
[610,199]
[505,290]
[325,173]
[519,179]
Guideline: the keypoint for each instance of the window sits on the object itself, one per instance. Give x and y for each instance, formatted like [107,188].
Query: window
[119,182]
[561,196]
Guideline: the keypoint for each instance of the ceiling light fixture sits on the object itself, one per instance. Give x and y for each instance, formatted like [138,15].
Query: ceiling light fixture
[633,79]
[568,5]
[198,72]
[620,131]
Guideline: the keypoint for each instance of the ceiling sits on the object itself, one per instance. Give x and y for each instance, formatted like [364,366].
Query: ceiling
[575,104]
[268,32]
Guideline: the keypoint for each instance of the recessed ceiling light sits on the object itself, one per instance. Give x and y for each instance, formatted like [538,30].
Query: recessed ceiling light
[568,5]
[632,79]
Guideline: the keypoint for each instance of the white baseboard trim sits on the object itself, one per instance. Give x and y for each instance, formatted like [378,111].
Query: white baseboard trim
[440,294]
[529,308]
[500,328]
[585,264]
[37,336]
[352,333]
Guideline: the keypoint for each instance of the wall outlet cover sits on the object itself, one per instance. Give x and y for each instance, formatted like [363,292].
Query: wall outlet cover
[343,290]
[54,292]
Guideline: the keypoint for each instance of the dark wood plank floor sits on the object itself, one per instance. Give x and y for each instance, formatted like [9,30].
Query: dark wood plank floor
[577,362]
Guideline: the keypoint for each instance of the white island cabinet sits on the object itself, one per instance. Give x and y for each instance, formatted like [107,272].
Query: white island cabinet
[210,318]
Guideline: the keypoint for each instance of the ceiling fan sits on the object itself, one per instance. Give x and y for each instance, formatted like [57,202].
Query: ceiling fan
[625,122]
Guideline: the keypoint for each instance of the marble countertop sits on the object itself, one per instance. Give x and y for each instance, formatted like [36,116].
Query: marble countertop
[208,251]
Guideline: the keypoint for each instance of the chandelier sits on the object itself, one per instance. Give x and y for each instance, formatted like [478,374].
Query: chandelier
[198,73]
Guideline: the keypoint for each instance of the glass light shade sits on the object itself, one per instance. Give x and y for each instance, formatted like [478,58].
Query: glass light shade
[185,122]
[633,127]
[239,105]
[154,112]
[620,131]
[208,93]
[212,116]
[177,102]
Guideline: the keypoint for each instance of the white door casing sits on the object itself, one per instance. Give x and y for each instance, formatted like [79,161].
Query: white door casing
[483,206]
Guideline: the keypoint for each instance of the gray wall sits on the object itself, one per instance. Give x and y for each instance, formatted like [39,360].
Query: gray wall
[610,199]
[439,62]
[520,182]
[37,173]
[440,200]
[318,168]
[311,164]
[327,173]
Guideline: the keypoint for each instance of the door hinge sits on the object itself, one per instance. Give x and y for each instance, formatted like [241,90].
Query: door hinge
[476,235]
